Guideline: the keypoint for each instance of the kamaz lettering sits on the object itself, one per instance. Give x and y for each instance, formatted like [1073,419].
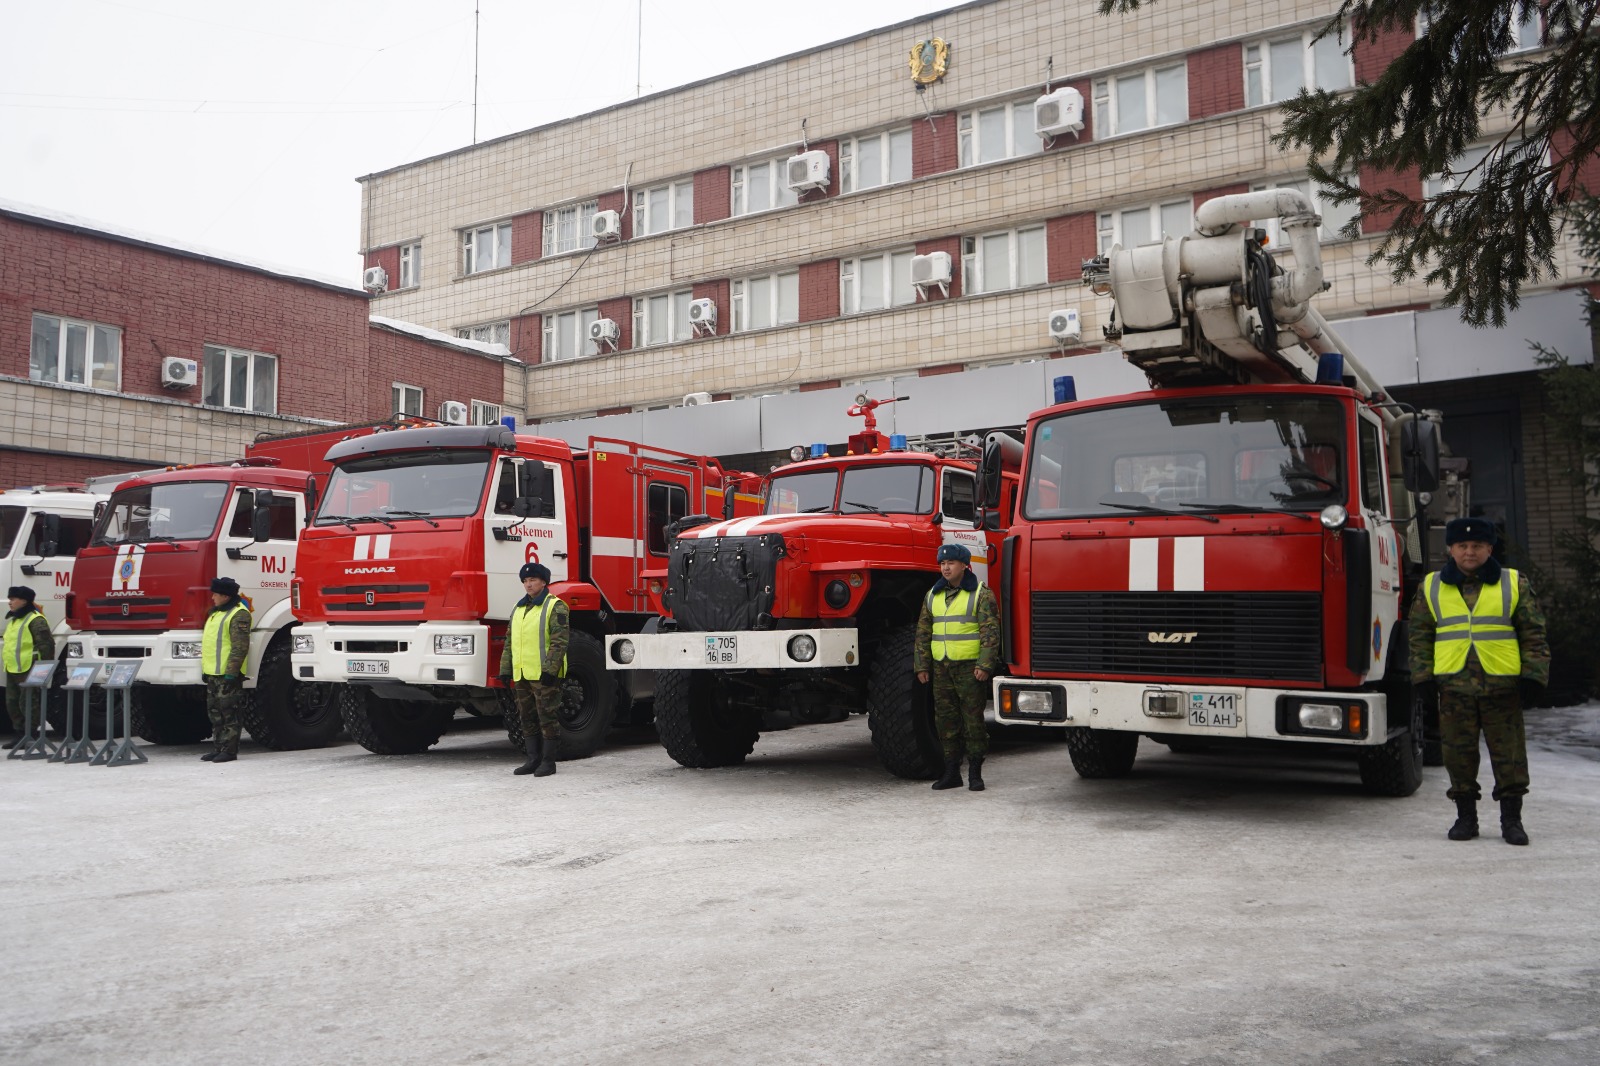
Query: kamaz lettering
[369,569]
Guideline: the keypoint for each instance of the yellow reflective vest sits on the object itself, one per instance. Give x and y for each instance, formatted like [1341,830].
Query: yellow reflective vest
[19,654]
[955,625]
[1485,627]
[216,641]
[530,635]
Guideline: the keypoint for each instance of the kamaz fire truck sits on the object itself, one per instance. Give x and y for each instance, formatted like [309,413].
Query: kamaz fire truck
[142,588]
[41,530]
[811,607]
[408,571]
[1229,555]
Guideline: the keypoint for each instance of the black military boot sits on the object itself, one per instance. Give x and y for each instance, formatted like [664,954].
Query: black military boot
[1511,830]
[216,749]
[531,745]
[975,773]
[952,774]
[547,765]
[1466,826]
[225,756]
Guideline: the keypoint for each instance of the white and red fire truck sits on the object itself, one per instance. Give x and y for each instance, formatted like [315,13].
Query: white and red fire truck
[1229,555]
[41,530]
[408,571]
[810,608]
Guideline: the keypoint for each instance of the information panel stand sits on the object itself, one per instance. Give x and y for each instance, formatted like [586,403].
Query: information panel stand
[75,743]
[33,744]
[118,686]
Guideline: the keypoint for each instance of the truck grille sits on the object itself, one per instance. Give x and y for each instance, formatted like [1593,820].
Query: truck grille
[723,583]
[114,610]
[1271,636]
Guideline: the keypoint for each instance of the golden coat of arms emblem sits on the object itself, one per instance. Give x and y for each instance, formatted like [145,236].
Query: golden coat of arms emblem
[929,60]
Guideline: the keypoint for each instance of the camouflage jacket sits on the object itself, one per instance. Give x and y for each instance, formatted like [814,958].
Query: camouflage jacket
[1527,619]
[555,651]
[988,612]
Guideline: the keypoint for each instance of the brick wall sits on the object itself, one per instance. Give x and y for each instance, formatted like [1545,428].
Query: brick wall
[389,259]
[46,468]
[718,292]
[1373,57]
[819,290]
[713,194]
[527,236]
[1580,174]
[620,311]
[1216,80]
[442,373]
[1374,180]
[952,245]
[1068,241]
[527,337]
[933,145]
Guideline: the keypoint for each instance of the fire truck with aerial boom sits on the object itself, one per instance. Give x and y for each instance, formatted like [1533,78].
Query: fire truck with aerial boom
[1231,554]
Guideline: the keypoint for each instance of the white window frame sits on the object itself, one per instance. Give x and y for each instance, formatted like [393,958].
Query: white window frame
[487,332]
[679,208]
[485,248]
[1109,120]
[566,335]
[1017,140]
[646,318]
[410,265]
[1466,170]
[782,289]
[96,335]
[484,413]
[1530,30]
[894,151]
[973,261]
[894,288]
[1111,224]
[1333,217]
[254,362]
[581,216]
[399,395]
[779,195]
[1316,67]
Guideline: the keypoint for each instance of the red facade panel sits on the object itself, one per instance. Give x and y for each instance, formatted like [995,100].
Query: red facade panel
[1578,173]
[620,311]
[1372,58]
[527,337]
[1216,81]
[527,236]
[389,259]
[1068,241]
[1374,180]
[819,290]
[1211,194]
[713,195]
[933,145]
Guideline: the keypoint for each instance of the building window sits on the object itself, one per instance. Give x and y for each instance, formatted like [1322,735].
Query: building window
[880,159]
[873,282]
[405,399]
[1012,259]
[246,381]
[1526,35]
[1334,216]
[570,228]
[663,208]
[1466,170]
[1140,99]
[1134,226]
[410,265]
[662,318]
[1004,131]
[486,248]
[79,353]
[1277,70]
[769,300]
[488,333]
[485,414]
[762,186]
[566,335]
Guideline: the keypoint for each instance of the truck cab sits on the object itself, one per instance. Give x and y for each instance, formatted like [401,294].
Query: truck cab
[41,532]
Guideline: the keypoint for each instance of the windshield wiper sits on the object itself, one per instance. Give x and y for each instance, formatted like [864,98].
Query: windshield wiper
[1153,509]
[343,519]
[163,538]
[414,514]
[1242,508]
[375,518]
[819,508]
[864,506]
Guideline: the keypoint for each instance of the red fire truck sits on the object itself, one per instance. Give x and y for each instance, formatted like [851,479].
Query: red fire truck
[1229,555]
[141,588]
[408,571]
[810,608]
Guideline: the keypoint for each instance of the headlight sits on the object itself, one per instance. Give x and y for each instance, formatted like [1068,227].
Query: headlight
[74,649]
[304,644]
[802,649]
[186,649]
[622,652]
[1334,516]
[1033,701]
[452,643]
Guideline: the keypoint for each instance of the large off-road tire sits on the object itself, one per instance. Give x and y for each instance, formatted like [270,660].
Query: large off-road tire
[1101,752]
[700,725]
[590,698]
[393,727]
[170,714]
[900,710]
[1394,768]
[285,714]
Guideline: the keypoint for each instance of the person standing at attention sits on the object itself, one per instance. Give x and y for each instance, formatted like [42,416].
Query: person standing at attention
[958,647]
[533,662]
[224,647]
[27,640]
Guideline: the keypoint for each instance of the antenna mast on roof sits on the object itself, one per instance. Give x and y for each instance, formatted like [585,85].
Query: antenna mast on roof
[476,8]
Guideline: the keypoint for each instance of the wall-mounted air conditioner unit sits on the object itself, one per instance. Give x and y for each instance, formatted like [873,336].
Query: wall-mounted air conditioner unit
[697,399]
[1058,112]
[807,171]
[605,332]
[453,412]
[179,373]
[703,316]
[1065,328]
[375,279]
[930,270]
[606,226]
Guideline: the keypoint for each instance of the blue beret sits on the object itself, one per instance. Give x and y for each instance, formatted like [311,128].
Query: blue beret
[1479,529]
[538,570]
[958,552]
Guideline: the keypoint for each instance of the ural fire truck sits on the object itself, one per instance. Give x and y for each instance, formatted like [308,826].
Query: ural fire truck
[41,530]
[811,606]
[408,571]
[142,588]
[1230,554]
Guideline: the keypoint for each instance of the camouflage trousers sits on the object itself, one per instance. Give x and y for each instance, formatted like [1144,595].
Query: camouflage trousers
[16,700]
[223,697]
[539,708]
[958,699]
[1496,715]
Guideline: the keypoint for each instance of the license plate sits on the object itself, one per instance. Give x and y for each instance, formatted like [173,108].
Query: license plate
[366,666]
[1214,710]
[722,650]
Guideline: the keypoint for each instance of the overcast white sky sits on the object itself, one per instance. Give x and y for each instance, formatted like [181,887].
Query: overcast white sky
[242,127]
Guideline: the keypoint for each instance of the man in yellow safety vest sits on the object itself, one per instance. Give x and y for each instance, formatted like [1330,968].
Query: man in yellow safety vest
[224,647]
[27,640]
[533,662]
[958,649]
[1477,637]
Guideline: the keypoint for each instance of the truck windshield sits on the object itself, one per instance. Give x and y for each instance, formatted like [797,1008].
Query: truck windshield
[869,489]
[403,485]
[181,510]
[10,523]
[1219,454]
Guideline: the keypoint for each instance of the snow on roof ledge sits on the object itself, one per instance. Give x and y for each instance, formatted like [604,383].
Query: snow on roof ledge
[61,218]
[499,351]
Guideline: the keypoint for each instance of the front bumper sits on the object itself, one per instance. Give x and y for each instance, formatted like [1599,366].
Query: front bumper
[767,649]
[153,650]
[377,654]
[1179,710]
